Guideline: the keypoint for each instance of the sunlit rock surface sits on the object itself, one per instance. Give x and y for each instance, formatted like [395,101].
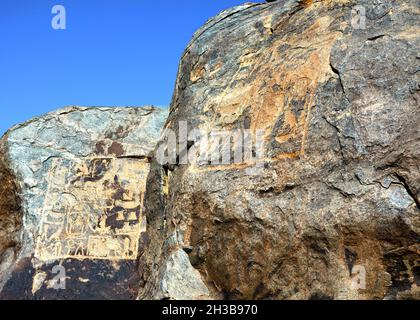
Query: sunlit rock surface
[331,210]
[326,207]
[73,184]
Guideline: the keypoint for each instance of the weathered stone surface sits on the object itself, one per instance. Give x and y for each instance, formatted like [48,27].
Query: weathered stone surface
[339,187]
[71,195]
[330,196]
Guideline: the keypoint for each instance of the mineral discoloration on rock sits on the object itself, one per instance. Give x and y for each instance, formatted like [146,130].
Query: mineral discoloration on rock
[329,211]
[80,177]
[339,188]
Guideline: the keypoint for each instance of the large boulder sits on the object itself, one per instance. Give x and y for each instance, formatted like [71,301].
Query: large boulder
[71,203]
[288,169]
[327,202]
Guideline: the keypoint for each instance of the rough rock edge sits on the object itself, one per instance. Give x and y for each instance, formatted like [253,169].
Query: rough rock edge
[10,216]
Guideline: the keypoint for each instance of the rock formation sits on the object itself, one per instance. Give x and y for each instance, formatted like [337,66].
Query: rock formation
[331,207]
[308,189]
[72,191]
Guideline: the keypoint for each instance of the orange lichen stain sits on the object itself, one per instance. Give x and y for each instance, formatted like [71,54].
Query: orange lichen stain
[231,102]
[306,3]
[290,155]
[197,73]
[296,79]
[215,69]
[276,88]
[165,183]
[409,34]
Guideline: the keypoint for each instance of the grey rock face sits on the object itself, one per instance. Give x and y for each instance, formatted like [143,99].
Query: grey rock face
[334,210]
[78,177]
[320,201]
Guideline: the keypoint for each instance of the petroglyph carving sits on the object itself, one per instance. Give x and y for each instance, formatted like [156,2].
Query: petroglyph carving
[93,209]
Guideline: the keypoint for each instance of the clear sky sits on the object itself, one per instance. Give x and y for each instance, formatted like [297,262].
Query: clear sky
[112,53]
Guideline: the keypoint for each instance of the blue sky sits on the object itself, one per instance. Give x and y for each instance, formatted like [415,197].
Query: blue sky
[112,53]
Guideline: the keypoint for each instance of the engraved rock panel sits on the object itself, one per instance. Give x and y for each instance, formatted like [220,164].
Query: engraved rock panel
[329,211]
[93,210]
[80,178]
